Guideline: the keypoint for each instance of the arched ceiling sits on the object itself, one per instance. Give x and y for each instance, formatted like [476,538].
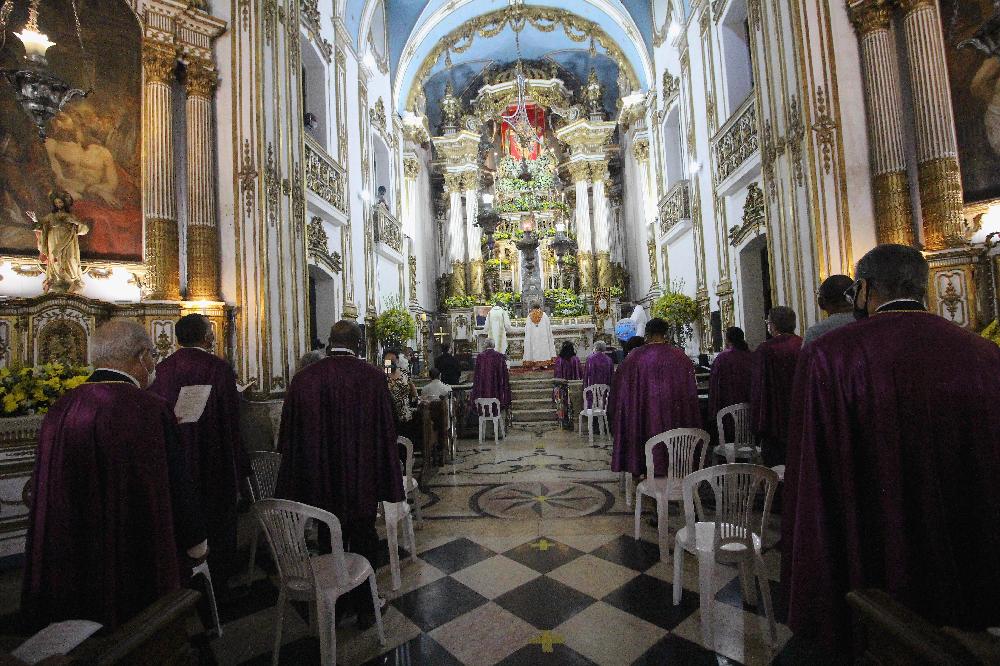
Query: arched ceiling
[415,27]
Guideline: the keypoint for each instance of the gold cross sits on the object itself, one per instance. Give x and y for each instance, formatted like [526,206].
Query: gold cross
[542,544]
[441,335]
[547,639]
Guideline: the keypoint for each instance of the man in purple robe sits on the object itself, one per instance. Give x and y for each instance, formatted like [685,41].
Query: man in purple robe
[771,389]
[216,458]
[599,369]
[732,373]
[653,391]
[567,363]
[893,461]
[492,378]
[339,449]
[114,509]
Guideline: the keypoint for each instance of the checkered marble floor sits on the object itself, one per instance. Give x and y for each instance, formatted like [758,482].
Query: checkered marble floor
[528,587]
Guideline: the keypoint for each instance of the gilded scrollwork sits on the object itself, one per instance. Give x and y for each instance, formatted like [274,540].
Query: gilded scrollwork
[825,127]
[325,178]
[754,216]
[675,206]
[737,141]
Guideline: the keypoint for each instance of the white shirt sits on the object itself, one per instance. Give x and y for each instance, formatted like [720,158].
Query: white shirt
[435,390]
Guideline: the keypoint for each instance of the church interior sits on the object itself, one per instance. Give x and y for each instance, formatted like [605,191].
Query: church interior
[417,166]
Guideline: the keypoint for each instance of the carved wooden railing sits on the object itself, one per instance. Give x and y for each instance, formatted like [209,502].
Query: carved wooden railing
[388,229]
[325,177]
[675,205]
[737,140]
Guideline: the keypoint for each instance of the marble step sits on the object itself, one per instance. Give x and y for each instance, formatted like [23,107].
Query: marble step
[532,415]
[530,393]
[520,404]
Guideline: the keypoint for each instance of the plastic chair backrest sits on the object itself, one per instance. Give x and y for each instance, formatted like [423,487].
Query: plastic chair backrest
[265,466]
[735,487]
[274,414]
[488,407]
[284,523]
[408,445]
[742,426]
[596,395]
[686,451]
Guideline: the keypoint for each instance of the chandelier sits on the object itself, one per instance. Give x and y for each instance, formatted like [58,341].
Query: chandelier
[40,93]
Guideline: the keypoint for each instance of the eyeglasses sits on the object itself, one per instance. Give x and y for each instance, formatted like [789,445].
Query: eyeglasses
[852,292]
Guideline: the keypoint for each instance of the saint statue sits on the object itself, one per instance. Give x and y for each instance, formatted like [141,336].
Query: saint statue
[539,343]
[59,245]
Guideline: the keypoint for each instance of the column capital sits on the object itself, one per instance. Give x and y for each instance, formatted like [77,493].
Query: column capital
[453,182]
[910,6]
[411,167]
[201,79]
[579,171]
[470,180]
[158,62]
[641,150]
[599,170]
[870,16]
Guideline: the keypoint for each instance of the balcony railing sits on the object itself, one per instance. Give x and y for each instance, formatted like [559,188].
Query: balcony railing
[675,205]
[737,140]
[388,230]
[325,177]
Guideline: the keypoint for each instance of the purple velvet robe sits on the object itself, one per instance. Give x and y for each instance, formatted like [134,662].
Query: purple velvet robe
[774,364]
[891,479]
[102,543]
[599,370]
[492,378]
[729,383]
[567,368]
[216,459]
[338,440]
[653,391]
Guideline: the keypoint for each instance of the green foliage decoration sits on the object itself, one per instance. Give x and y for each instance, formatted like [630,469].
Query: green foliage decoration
[395,325]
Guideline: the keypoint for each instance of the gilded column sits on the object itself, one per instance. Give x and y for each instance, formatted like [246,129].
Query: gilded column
[937,147]
[202,231]
[159,195]
[474,235]
[456,237]
[602,232]
[890,181]
[580,172]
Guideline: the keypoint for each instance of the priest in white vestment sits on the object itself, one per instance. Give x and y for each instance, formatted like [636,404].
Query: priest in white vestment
[539,343]
[640,318]
[497,326]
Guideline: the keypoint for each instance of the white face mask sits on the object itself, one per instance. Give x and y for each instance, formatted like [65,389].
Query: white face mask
[150,374]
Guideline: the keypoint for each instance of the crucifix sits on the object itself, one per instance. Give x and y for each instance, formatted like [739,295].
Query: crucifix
[441,335]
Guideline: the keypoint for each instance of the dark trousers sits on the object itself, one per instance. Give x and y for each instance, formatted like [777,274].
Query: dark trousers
[360,538]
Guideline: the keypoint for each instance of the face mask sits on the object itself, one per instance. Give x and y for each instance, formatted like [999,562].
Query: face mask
[860,309]
[150,374]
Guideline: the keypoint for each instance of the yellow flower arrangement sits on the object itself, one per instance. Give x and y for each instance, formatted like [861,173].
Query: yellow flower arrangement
[25,390]
[992,332]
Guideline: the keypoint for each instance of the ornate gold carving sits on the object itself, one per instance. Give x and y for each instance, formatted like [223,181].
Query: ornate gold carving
[163,260]
[451,107]
[62,341]
[317,240]
[248,178]
[604,274]
[272,186]
[893,211]
[654,271]
[411,167]
[941,204]
[754,216]
[477,283]
[99,272]
[203,263]
[388,230]
[671,86]
[870,15]
[753,14]
[825,127]
[727,306]
[599,171]
[453,182]
[641,150]
[269,9]
[579,170]
[910,6]
[737,141]
[27,270]
[378,114]
[158,62]
[201,79]
[458,278]
[412,263]
[470,180]
[325,177]
[585,270]
[675,206]
[796,135]
[593,94]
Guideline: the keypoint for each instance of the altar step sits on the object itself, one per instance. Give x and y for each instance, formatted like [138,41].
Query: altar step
[532,400]
[534,415]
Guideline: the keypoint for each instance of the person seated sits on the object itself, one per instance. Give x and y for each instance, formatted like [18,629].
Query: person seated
[451,369]
[404,399]
[492,378]
[567,363]
[435,389]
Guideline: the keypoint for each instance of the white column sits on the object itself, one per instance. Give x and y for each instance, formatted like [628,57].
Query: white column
[602,230]
[473,233]
[456,234]
[584,236]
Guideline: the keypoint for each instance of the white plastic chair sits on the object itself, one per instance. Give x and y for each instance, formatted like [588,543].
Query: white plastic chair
[742,446]
[626,484]
[687,449]
[264,466]
[394,514]
[319,579]
[410,485]
[202,570]
[596,395]
[731,538]
[489,411]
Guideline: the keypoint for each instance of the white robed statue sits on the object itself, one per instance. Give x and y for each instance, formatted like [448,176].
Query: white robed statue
[640,318]
[497,327]
[539,343]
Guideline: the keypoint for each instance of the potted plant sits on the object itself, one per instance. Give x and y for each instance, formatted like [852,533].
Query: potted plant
[679,310]
[394,326]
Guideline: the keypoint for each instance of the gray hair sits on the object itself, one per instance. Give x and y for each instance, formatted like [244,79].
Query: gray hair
[895,271]
[117,342]
[600,346]
[309,358]
[489,344]
[783,319]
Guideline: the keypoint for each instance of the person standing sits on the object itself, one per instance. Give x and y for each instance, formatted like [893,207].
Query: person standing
[451,371]
[497,326]
[567,363]
[539,343]
[893,461]
[491,378]
[114,510]
[732,373]
[640,319]
[216,459]
[771,386]
[834,302]
[338,446]
[600,367]
[654,390]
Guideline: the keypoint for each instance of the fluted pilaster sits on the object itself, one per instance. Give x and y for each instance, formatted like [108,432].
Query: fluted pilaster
[890,183]
[937,147]
[159,192]
[474,235]
[580,171]
[456,234]
[202,230]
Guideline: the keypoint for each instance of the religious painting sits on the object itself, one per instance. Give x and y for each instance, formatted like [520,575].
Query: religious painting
[510,142]
[92,150]
[482,312]
[975,95]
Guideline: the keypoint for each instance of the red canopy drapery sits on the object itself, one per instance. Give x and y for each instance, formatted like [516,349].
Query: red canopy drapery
[509,141]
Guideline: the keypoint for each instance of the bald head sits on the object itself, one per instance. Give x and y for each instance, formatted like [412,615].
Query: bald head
[346,334]
[125,346]
[831,294]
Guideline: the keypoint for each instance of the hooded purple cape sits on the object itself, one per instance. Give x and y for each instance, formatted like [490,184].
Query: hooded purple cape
[729,383]
[891,479]
[771,393]
[215,455]
[338,440]
[567,369]
[653,391]
[492,378]
[599,369]
[102,542]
